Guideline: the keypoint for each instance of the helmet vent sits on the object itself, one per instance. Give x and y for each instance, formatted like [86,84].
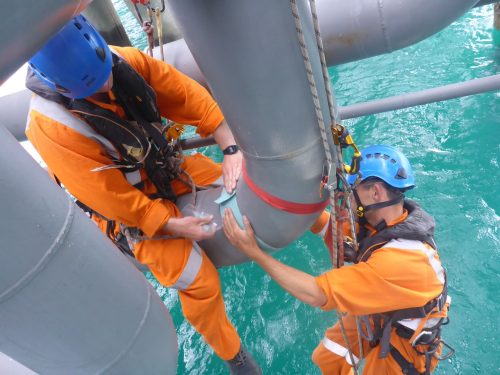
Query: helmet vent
[78,25]
[378,155]
[101,53]
[368,156]
[401,175]
[393,161]
[385,157]
[90,82]
[85,77]
[87,36]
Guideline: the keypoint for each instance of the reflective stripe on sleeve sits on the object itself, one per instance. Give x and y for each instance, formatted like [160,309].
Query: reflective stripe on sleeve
[338,350]
[60,114]
[191,268]
[133,177]
[412,245]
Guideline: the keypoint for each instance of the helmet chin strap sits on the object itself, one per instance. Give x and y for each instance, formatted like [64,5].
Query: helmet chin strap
[361,209]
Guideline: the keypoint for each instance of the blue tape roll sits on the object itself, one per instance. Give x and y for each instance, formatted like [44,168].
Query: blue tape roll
[227,200]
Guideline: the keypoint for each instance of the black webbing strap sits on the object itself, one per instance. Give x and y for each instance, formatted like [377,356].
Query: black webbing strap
[406,367]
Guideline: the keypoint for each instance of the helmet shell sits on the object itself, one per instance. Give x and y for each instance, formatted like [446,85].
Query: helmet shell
[386,163]
[76,62]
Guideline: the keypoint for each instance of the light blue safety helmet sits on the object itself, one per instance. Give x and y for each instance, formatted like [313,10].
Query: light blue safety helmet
[386,163]
[76,62]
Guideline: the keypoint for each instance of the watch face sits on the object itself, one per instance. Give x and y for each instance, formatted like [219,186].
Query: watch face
[230,150]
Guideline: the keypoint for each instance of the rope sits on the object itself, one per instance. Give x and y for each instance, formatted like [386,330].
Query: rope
[159,27]
[321,123]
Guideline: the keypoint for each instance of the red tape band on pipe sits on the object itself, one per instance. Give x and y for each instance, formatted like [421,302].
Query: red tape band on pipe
[281,204]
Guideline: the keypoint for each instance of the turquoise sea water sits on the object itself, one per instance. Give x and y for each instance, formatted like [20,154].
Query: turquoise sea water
[454,147]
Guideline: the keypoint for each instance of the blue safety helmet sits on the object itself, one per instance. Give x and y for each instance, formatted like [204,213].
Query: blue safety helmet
[388,164]
[76,62]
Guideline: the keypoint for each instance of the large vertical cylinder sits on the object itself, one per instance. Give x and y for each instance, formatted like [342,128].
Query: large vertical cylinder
[70,302]
[249,52]
[103,16]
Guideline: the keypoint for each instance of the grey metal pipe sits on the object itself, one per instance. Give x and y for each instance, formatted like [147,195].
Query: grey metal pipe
[103,16]
[351,30]
[485,2]
[437,94]
[354,30]
[70,302]
[27,25]
[253,63]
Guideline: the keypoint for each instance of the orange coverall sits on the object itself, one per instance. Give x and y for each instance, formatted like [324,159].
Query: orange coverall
[72,150]
[401,274]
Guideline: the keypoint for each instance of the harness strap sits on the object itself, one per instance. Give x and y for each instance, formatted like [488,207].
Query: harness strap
[406,367]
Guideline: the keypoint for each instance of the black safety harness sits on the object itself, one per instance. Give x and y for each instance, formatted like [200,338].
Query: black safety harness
[417,226]
[140,140]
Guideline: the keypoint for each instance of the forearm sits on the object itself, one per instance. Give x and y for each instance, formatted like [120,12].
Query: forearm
[299,284]
[223,135]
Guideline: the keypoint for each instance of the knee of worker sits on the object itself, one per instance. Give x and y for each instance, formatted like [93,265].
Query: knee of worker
[321,356]
[328,362]
[320,225]
[206,284]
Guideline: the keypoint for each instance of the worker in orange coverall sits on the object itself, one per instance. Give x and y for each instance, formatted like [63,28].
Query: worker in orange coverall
[96,120]
[396,289]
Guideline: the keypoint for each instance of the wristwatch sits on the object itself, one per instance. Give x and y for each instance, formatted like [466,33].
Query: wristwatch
[230,150]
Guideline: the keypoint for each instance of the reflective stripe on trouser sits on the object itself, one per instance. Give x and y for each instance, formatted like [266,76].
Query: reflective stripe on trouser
[177,263]
[190,269]
[332,357]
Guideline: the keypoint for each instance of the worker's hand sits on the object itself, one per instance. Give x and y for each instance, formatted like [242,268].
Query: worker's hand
[147,27]
[231,170]
[243,239]
[193,228]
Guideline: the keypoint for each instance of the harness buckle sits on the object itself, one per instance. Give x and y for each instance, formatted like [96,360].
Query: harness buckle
[449,354]
[426,336]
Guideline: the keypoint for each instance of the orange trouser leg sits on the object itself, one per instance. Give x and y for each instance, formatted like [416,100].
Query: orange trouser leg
[177,263]
[331,355]
[204,308]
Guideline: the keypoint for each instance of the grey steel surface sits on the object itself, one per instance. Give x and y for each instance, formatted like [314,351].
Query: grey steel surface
[26,25]
[485,2]
[249,53]
[103,16]
[354,30]
[14,111]
[351,30]
[70,302]
[455,90]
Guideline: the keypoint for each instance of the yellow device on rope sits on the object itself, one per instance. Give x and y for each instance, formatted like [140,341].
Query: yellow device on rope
[342,137]
[174,131]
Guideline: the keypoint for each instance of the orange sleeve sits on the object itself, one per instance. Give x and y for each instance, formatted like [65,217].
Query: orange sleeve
[179,97]
[71,157]
[392,279]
